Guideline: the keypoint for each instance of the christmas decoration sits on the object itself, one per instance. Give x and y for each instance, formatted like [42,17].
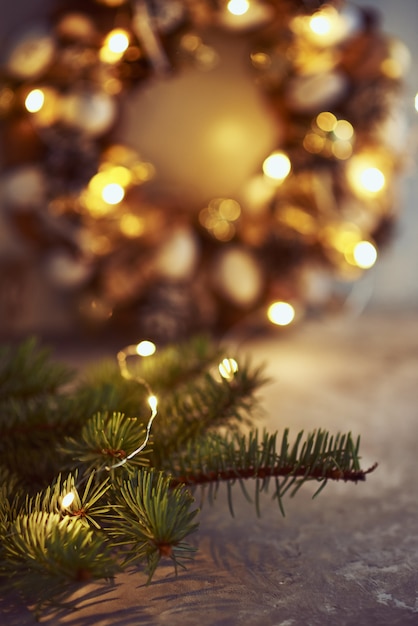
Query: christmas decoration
[92,483]
[174,166]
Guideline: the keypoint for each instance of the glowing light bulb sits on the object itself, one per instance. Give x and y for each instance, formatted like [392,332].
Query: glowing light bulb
[365,174]
[115,45]
[277,166]
[320,24]
[153,402]
[326,26]
[372,179]
[113,193]
[365,254]
[238,7]
[344,130]
[145,348]
[35,100]
[67,500]
[118,41]
[228,368]
[281,313]
[326,121]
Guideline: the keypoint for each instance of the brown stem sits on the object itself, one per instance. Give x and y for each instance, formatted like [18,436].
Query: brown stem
[266,472]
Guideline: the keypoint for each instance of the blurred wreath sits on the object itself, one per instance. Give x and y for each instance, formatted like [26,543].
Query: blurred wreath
[169,166]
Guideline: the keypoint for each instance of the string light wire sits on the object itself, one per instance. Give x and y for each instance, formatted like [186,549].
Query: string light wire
[122,357]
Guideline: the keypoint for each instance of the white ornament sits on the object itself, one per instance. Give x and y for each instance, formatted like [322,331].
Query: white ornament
[238,276]
[24,188]
[66,271]
[205,132]
[177,257]
[316,92]
[93,112]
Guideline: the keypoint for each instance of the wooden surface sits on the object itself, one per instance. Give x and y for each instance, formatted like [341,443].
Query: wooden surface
[349,557]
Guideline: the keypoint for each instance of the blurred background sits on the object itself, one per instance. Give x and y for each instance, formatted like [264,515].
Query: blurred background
[199,251]
[395,277]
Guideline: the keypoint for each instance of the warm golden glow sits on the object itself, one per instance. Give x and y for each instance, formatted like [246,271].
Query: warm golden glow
[229,209]
[146,348]
[277,166]
[261,60]
[343,237]
[342,149]
[330,137]
[97,183]
[238,7]
[228,368]
[281,313]
[35,100]
[343,130]
[365,177]
[119,174]
[314,143]
[110,183]
[218,216]
[298,220]
[131,225]
[115,45]
[324,28]
[142,172]
[223,230]
[398,61]
[190,42]
[326,121]
[365,254]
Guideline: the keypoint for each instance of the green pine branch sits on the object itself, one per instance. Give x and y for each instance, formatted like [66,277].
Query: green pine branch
[153,517]
[209,402]
[236,457]
[44,557]
[104,440]
[133,509]
[27,372]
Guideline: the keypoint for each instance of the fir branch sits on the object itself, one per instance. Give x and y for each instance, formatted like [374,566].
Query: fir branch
[102,389]
[34,410]
[176,366]
[27,370]
[9,484]
[30,386]
[233,457]
[45,555]
[209,402]
[133,514]
[88,506]
[104,440]
[153,518]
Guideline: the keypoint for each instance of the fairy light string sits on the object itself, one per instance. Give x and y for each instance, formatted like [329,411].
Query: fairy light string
[142,349]
[227,369]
